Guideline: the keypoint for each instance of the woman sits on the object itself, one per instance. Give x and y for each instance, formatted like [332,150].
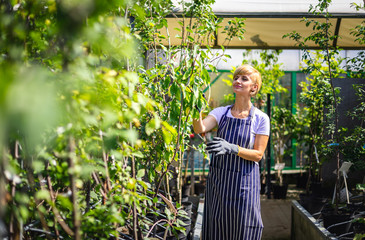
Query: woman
[232,198]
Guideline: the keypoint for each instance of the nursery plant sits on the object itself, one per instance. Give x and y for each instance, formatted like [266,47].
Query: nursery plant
[355,69]
[324,67]
[353,147]
[177,73]
[96,108]
[327,139]
[316,96]
[284,126]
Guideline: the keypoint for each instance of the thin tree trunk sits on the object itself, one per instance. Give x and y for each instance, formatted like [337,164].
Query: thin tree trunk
[336,138]
[192,178]
[75,208]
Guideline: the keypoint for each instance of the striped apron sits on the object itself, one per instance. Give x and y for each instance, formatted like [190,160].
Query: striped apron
[232,198]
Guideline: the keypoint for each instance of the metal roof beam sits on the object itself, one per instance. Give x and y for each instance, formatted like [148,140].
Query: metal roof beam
[276,15]
[337,30]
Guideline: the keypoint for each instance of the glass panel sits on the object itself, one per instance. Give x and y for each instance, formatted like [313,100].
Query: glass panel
[301,155]
[301,77]
[301,148]
[288,155]
[284,99]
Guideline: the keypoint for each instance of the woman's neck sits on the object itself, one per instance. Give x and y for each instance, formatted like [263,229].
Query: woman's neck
[242,104]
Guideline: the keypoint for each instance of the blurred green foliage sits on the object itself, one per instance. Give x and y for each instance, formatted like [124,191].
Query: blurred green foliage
[95,112]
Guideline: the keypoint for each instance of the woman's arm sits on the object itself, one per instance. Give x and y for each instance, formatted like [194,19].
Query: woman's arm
[203,126]
[258,150]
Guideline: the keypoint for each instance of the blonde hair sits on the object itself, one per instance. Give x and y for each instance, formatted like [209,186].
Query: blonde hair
[252,72]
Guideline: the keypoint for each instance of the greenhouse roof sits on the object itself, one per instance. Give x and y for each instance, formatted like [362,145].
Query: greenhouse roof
[268,20]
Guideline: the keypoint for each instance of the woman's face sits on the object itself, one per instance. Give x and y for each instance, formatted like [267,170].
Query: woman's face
[243,84]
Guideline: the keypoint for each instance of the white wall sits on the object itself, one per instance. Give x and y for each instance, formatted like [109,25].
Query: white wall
[290,59]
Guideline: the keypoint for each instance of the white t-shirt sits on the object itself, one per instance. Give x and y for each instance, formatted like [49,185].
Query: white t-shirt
[260,123]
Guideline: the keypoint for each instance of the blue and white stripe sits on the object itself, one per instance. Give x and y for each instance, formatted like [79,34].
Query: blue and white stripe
[232,198]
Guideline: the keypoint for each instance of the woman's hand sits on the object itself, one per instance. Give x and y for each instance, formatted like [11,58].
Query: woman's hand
[203,126]
[221,146]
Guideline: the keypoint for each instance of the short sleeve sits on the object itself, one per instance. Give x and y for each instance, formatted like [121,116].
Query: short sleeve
[218,112]
[262,125]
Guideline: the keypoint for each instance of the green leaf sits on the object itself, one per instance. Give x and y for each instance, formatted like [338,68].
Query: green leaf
[131,184]
[136,107]
[168,214]
[65,202]
[141,173]
[143,184]
[152,125]
[169,133]
[129,135]
[24,212]
[174,89]
[138,154]
[43,195]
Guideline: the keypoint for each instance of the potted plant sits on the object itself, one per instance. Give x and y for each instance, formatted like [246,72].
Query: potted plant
[283,127]
[328,139]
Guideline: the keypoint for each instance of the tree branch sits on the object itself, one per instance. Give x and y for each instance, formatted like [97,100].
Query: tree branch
[75,209]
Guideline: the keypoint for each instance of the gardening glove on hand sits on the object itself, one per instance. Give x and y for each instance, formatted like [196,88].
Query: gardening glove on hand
[221,146]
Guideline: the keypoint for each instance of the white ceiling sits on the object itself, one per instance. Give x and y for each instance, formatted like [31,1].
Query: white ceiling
[280,6]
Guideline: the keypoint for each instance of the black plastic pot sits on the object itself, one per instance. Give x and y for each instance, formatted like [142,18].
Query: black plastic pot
[313,204]
[337,223]
[199,188]
[186,190]
[302,181]
[184,198]
[356,208]
[187,206]
[263,188]
[279,191]
[359,228]
[179,235]
[317,204]
[316,188]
